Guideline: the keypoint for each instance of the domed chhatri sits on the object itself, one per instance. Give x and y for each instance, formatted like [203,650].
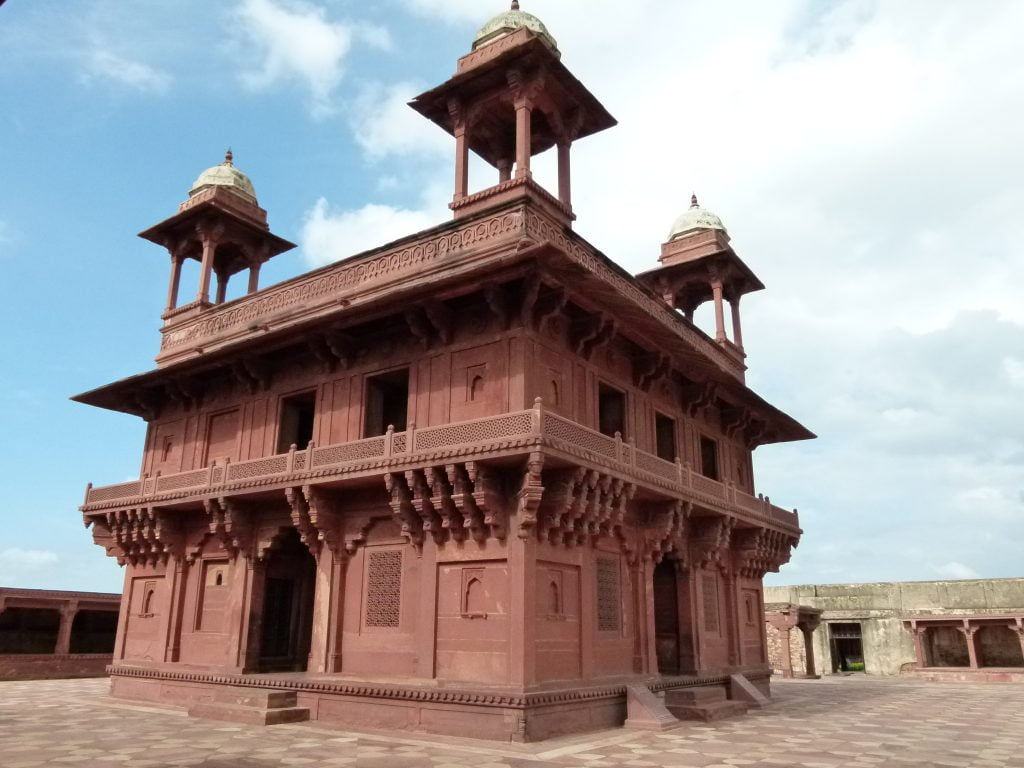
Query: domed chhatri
[225,175]
[693,218]
[508,22]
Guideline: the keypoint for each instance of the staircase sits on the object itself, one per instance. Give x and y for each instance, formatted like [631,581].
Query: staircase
[253,706]
[704,704]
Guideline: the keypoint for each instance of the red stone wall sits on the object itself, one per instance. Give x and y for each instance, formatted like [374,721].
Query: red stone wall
[48,666]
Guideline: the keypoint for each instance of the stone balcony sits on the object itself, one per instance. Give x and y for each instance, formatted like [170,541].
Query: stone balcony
[500,438]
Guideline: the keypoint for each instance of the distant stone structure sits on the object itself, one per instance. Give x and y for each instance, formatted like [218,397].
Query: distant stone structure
[53,634]
[479,481]
[972,629]
[789,629]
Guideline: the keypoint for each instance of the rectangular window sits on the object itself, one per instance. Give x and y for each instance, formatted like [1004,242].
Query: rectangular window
[387,402]
[709,457]
[611,411]
[665,435]
[296,427]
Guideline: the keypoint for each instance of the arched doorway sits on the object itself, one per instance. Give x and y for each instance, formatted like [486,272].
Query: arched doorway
[287,620]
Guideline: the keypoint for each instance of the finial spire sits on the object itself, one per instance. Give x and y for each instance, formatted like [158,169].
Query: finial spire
[515,5]
[229,157]
[693,201]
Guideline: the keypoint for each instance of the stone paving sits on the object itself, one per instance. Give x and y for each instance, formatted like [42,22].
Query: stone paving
[814,724]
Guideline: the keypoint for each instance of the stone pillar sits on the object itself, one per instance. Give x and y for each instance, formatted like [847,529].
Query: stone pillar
[177,569]
[810,670]
[461,160]
[524,139]
[972,652]
[564,176]
[920,652]
[504,170]
[254,277]
[68,611]
[206,268]
[737,331]
[716,290]
[222,287]
[1019,629]
[325,646]
[172,288]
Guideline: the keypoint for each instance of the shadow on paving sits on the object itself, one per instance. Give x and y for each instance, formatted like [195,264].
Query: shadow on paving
[834,698]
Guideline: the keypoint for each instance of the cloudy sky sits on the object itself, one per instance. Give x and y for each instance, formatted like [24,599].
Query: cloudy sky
[865,156]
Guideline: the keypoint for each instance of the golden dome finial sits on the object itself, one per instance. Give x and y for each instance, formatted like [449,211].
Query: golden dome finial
[229,157]
[515,5]
[693,201]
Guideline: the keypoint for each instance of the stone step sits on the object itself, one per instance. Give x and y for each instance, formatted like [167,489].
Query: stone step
[235,713]
[262,698]
[695,697]
[708,712]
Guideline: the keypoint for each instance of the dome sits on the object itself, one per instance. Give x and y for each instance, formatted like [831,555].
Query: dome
[508,22]
[225,175]
[695,218]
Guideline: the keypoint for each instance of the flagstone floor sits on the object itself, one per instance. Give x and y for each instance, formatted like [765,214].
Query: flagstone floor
[814,724]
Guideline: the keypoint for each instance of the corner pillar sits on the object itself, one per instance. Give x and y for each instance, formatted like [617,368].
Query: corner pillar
[810,669]
[504,170]
[175,282]
[524,139]
[206,267]
[461,160]
[737,331]
[222,287]
[564,175]
[717,292]
[254,277]
[328,608]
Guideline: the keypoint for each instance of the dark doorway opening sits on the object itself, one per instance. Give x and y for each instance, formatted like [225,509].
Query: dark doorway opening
[611,411]
[29,630]
[387,402]
[709,457]
[297,414]
[847,647]
[93,632]
[287,623]
[665,435]
[666,617]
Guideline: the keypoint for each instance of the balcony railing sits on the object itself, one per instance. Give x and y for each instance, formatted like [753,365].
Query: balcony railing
[477,437]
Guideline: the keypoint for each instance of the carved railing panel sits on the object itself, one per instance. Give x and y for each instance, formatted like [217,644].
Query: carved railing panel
[454,491]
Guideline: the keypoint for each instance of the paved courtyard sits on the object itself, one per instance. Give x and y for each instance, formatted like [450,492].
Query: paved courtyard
[817,724]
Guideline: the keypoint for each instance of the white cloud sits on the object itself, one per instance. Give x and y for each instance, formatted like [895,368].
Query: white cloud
[296,41]
[384,124]
[955,570]
[102,64]
[329,236]
[14,558]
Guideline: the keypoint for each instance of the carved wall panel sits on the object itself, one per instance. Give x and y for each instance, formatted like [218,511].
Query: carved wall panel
[609,595]
[383,607]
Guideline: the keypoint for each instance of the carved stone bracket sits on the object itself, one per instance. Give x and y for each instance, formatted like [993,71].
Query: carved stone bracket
[422,503]
[440,316]
[735,421]
[664,531]
[401,506]
[184,391]
[252,373]
[231,526]
[325,518]
[760,550]
[299,508]
[696,397]
[138,536]
[709,540]
[531,490]
[649,368]
[582,505]
[498,303]
[592,333]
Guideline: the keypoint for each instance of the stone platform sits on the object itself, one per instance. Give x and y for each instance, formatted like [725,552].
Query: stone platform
[812,724]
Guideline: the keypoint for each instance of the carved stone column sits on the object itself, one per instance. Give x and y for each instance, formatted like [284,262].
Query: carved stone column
[68,612]
[325,646]
[177,569]
[175,282]
[810,670]
[209,241]
[564,176]
[524,138]
[972,652]
[737,331]
[920,647]
[717,293]
[254,277]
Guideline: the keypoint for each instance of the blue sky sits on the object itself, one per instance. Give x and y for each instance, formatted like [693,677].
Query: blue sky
[864,155]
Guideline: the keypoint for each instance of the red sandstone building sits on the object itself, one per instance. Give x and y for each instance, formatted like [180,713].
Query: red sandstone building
[475,481]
